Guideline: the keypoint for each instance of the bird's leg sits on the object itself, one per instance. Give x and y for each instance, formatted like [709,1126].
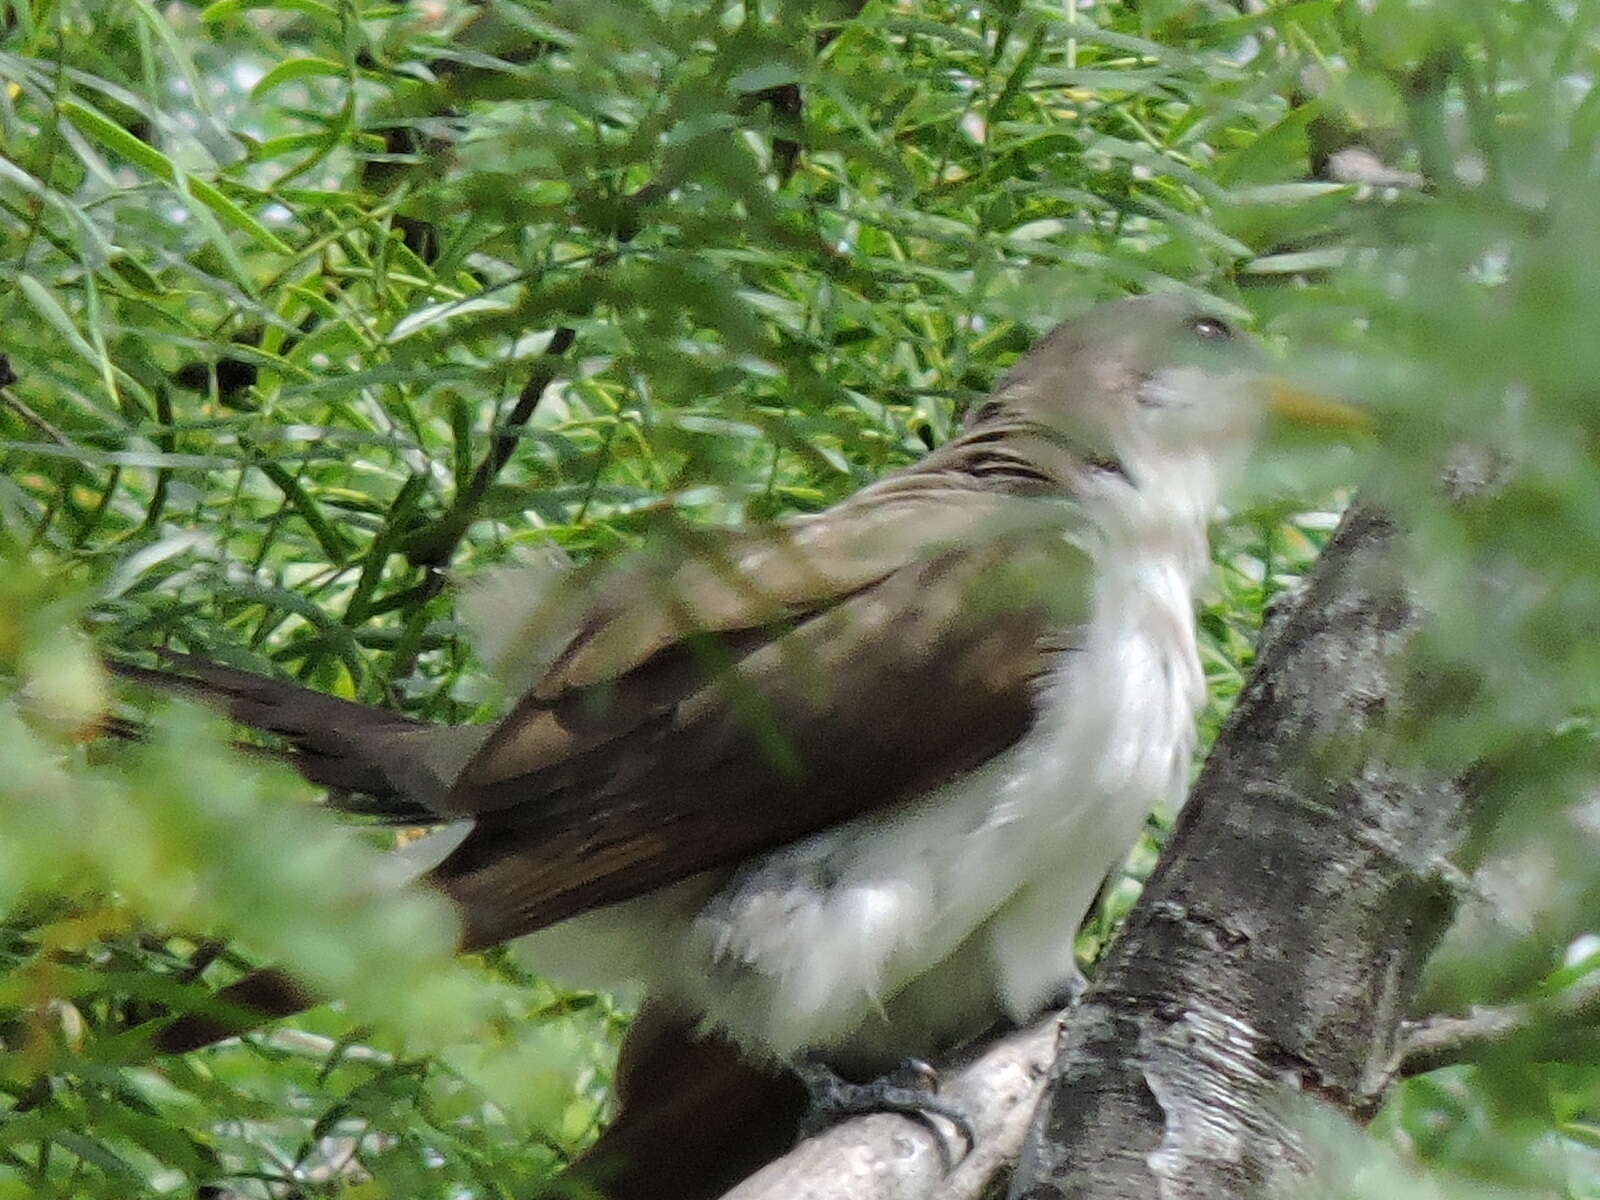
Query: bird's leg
[1064,996]
[1060,1000]
[908,1090]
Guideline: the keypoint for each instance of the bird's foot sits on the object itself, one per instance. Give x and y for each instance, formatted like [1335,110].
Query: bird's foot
[910,1090]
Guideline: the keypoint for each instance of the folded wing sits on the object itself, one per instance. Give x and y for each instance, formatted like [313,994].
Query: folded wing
[746,689]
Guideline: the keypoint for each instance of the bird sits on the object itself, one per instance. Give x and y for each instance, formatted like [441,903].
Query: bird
[839,788]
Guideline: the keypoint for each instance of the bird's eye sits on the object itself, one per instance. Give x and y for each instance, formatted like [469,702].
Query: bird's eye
[1211,329]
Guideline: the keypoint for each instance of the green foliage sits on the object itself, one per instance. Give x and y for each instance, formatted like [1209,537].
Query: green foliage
[311,300]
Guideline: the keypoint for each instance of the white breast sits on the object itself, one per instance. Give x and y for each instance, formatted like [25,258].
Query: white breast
[1123,719]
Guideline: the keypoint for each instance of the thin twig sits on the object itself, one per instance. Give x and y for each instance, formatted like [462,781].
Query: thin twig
[38,422]
[435,545]
[1539,1027]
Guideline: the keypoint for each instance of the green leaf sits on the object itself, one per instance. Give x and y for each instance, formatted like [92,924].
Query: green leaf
[47,306]
[221,10]
[768,75]
[117,139]
[296,68]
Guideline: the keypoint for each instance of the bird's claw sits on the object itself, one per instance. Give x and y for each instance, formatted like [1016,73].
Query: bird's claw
[909,1090]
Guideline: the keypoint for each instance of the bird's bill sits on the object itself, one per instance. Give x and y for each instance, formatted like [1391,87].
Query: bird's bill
[1290,402]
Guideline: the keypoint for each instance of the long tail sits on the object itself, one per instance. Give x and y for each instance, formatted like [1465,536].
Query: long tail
[672,1139]
[262,995]
[373,760]
[695,1117]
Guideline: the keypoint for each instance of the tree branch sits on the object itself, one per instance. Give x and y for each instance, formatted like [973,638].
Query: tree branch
[1551,1029]
[1281,938]
[890,1157]
[435,545]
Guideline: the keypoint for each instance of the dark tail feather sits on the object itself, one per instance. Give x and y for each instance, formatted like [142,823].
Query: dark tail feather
[335,743]
[695,1118]
[238,1008]
[338,744]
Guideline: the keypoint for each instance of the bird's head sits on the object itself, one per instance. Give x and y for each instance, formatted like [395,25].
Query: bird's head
[1152,393]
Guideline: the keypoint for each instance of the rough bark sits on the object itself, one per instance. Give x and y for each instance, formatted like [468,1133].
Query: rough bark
[1278,945]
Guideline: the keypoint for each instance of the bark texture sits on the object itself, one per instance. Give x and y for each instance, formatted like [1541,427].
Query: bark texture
[1279,944]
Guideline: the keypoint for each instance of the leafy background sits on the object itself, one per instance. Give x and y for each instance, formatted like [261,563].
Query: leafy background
[317,305]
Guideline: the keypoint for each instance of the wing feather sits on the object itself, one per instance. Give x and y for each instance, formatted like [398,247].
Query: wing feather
[759,689]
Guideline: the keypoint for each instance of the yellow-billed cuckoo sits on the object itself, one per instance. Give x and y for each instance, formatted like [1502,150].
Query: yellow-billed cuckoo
[843,786]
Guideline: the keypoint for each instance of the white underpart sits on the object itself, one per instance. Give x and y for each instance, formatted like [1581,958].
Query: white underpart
[901,932]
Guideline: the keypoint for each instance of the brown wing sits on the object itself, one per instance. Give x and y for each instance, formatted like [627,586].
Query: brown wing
[740,700]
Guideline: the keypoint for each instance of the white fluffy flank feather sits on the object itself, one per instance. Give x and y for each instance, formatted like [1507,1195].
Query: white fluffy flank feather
[519,615]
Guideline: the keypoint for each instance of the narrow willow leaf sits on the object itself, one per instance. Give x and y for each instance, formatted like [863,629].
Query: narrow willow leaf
[115,138]
[95,250]
[181,61]
[96,1152]
[123,458]
[449,310]
[47,306]
[296,68]
[1300,260]
[221,10]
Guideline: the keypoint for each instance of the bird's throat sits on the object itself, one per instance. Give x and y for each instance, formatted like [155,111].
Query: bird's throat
[1159,523]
